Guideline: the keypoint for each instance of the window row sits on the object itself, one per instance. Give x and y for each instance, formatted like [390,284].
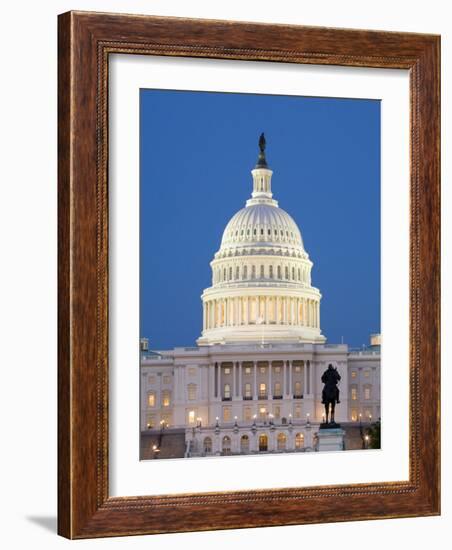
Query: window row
[366,392]
[243,273]
[263,443]
[262,390]
[262,413]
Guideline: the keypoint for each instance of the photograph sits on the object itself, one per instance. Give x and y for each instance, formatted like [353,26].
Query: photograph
[260,260]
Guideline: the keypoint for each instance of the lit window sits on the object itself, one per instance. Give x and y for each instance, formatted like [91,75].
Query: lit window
[299,441]
[166,398]
[277,391]
[226,414]
[281,442]
[151,379]
[247,390]
[166,418]
[263,442]
[297,368]
[227,370]
[367,392]
[191,417]
[151,399]
[353,373]
[263,370]
[297,411]
[263,412]
[247,370]
[278,369]
[262,389]
[167,379]
[192,392]
[354,393]
[354,415]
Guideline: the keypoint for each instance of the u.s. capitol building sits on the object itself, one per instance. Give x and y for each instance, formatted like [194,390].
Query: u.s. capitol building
[252,384]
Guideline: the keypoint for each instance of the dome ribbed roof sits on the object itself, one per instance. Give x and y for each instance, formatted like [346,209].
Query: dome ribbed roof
[262,225]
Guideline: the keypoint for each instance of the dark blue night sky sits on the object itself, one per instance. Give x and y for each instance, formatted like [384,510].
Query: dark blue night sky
[197,150]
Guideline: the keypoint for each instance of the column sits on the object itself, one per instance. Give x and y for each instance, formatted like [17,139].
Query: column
[318,314]
[266,310]
[234,387]
[247,311]
[270,388]
[216,380]
[311,378]
[277,309]
[211,382]
[285,388]
[255,380]
[290,379]
[305,379]
[226,312]
[240,380]
[204,314]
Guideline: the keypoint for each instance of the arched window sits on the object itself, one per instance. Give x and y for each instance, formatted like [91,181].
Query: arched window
[151,399]
[192,392]
[281,441]
[279,272]
[227,391]
[226,446]
[270,272]
[244,444]
[237,272]
[263,442]
[253,271]
[207,445]
[245,272]
[166,398]
[299,441]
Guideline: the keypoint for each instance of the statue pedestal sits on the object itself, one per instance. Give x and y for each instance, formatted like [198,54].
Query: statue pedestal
[330,439]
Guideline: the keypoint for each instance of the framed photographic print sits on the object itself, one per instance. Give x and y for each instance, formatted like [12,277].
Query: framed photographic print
[248,275]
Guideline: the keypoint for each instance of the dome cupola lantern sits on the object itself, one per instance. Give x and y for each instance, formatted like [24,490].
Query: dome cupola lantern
[261,275]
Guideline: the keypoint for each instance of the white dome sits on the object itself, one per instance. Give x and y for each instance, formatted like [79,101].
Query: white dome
[261,276]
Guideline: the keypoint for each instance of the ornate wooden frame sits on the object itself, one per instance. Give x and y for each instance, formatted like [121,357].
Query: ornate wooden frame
[85,42]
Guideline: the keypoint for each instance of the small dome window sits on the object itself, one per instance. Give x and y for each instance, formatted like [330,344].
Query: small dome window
[276,232]
[262,231]
[269,232]
[254,232]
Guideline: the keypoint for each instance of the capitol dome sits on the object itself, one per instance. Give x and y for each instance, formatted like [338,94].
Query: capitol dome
[261,275]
